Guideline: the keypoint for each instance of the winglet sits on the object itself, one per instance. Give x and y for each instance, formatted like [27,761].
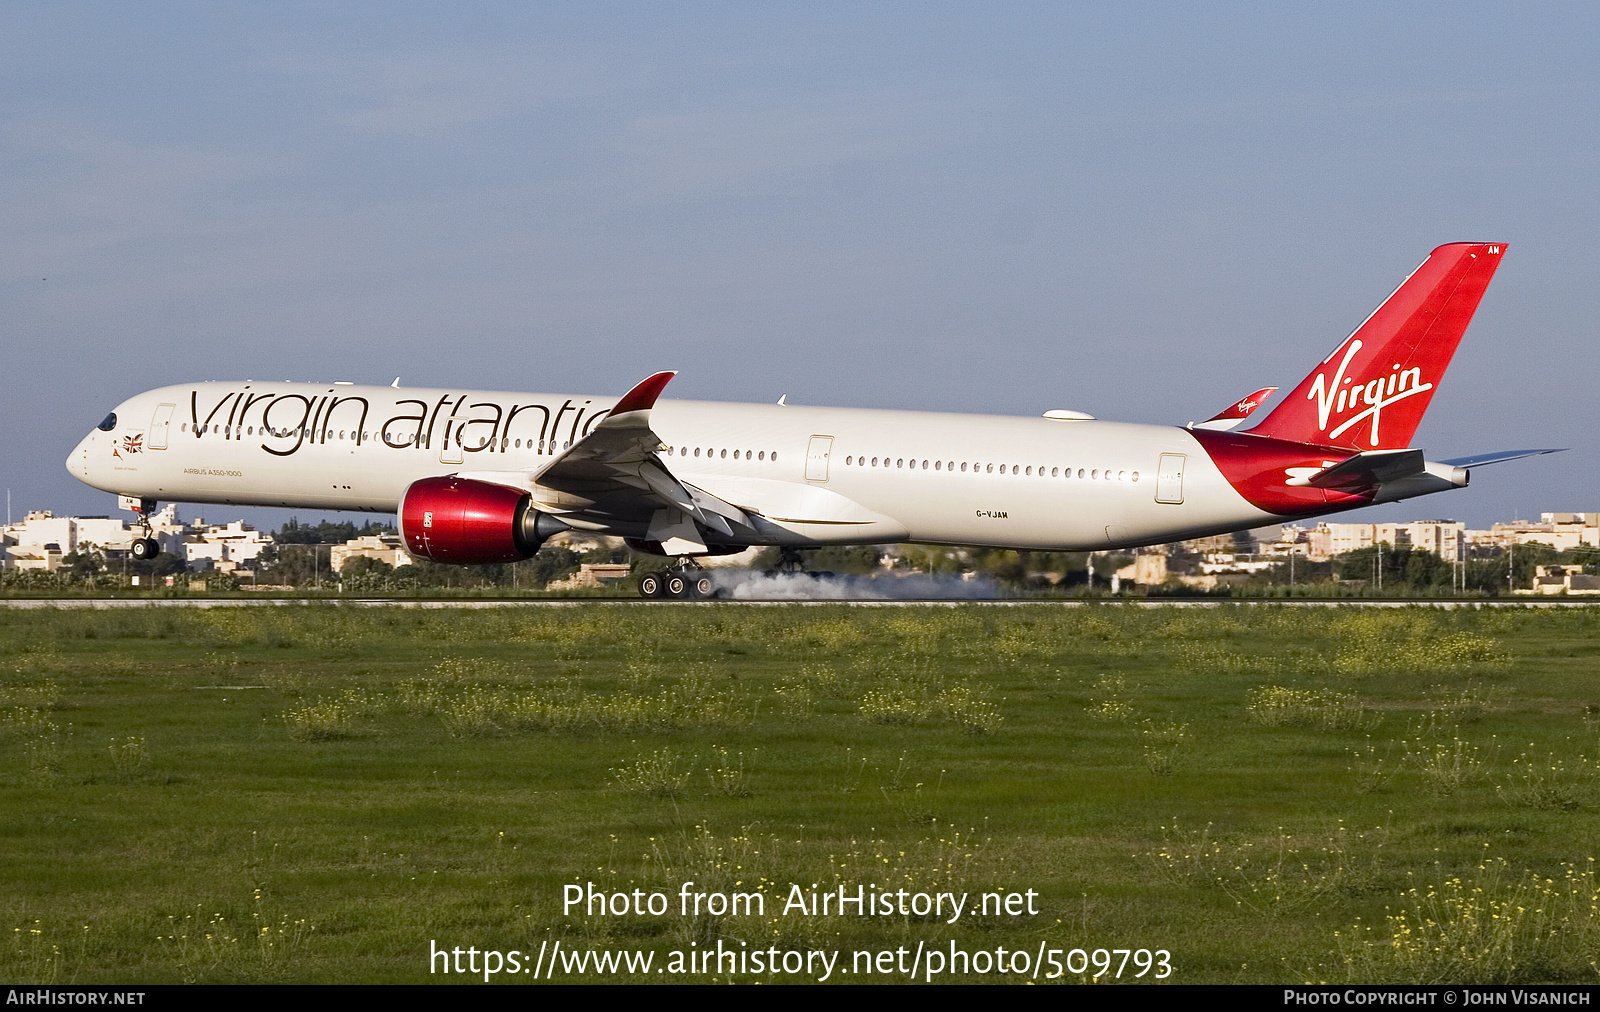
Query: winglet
[1232,416]
[1242,409]
[643,396]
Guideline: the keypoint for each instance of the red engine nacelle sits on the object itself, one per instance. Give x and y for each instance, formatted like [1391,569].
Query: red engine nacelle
[467,522]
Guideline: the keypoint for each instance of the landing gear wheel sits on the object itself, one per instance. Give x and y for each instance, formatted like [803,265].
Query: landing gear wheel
[702,586]
[677,585]
[145,548]
[650,585]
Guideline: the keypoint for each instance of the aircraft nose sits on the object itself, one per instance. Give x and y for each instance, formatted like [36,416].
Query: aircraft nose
[78,459]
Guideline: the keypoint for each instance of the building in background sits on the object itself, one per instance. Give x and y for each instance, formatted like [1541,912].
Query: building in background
[41,540]
[382,547]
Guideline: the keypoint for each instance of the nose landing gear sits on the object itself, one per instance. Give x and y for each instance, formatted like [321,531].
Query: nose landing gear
[146,547]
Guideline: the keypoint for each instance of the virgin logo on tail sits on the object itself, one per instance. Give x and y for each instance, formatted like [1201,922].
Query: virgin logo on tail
[1375,393]
[1389,367]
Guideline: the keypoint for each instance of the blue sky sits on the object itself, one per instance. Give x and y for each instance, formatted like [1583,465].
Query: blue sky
[1140,211]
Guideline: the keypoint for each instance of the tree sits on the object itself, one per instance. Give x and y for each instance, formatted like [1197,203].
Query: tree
[84,563]
[362,572]
[326,532]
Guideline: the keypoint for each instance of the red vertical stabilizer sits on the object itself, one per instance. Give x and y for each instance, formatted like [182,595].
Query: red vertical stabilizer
[1372,391]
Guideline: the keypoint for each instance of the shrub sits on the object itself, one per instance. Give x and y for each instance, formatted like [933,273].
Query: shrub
[1278,706]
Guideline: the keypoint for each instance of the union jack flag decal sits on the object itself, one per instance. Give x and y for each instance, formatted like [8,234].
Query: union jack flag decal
[133,444]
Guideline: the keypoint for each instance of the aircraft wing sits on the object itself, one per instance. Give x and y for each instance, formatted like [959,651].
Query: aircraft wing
[615,473]
[617,453]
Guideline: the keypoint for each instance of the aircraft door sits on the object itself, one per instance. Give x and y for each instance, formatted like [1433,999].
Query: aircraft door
[1169,478]
[450,450]
[817,458]
[156,438]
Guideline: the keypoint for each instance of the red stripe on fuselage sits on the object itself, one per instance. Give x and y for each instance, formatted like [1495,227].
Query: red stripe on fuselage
[1258,468]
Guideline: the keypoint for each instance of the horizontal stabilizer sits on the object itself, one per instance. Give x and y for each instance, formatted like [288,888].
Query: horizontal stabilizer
[1494,458]
[1365,470]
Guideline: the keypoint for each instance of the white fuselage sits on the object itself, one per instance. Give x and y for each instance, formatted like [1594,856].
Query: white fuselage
[885,476]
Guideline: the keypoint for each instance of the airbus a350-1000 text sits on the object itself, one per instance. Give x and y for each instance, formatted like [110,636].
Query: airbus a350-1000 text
[478,476]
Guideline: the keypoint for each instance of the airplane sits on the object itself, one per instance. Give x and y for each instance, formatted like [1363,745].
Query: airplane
[480,477]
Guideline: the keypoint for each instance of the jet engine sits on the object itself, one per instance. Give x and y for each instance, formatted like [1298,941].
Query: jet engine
[467,522]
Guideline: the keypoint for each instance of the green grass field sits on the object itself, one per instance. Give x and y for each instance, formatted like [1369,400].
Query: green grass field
[1269,794]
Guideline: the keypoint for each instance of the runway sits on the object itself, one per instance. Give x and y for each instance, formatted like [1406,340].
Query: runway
[110,604]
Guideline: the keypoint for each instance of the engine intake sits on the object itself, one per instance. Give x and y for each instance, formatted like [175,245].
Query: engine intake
[467,522]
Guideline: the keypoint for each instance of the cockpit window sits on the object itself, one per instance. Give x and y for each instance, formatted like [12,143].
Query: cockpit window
[109,423]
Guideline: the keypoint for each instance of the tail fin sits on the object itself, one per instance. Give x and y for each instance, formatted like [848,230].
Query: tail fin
[1372,391]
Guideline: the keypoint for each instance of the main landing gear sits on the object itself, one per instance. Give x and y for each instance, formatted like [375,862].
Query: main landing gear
[684,581]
